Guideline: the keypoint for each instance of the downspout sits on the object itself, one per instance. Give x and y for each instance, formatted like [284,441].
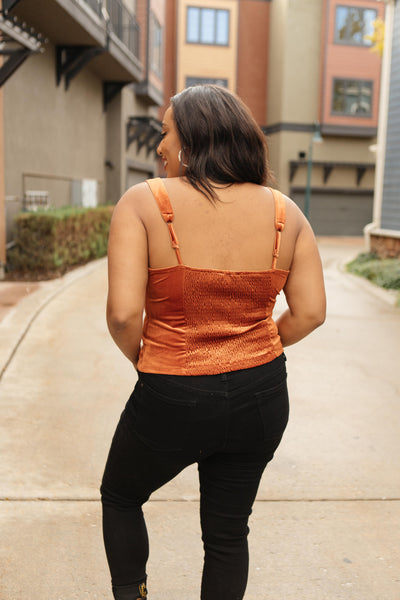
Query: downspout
[382,124]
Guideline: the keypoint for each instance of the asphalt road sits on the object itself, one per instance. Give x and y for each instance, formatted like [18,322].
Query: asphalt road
[326,523]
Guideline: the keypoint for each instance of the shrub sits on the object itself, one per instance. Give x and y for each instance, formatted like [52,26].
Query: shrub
[52,241]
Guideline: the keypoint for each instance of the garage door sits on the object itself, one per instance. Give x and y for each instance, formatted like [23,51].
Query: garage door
[337,213]
[137,176]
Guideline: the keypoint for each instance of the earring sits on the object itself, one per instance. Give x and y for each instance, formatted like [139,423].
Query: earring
[180,159]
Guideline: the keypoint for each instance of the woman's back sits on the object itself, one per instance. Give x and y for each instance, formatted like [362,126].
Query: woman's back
[236,233]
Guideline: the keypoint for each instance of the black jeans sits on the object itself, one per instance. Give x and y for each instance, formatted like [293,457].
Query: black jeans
[231,425]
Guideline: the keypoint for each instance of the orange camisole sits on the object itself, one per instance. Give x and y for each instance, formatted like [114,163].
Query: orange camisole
[209,321]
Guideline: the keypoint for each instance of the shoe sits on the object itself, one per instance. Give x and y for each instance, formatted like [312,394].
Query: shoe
[142,592]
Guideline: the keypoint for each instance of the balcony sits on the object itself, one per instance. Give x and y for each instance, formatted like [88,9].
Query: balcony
[120,21]
[107,28]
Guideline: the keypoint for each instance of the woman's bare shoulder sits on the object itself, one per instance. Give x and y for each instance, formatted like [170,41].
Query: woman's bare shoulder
[295,218]
[134,202]
[135,195]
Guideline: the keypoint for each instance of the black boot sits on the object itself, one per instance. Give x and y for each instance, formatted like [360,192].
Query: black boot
[130,592]
[142,592]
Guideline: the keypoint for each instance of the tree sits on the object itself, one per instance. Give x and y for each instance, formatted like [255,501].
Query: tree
[377,37]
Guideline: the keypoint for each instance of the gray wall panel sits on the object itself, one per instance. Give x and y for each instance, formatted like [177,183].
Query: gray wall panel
[391,185]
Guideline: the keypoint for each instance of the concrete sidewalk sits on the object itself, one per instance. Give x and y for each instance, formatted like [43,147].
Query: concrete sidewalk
[326,524]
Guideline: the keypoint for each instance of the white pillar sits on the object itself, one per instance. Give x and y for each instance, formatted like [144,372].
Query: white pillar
[382,122]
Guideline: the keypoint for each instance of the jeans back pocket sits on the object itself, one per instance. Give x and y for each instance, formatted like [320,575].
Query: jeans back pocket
[161,420]
[273,407]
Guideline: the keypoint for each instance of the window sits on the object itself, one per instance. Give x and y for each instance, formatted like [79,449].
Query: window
[352,97]
[201,80]
[353,24]
[207,26]
[156,46]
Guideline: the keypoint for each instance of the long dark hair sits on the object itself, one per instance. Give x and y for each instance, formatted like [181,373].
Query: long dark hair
[221,142]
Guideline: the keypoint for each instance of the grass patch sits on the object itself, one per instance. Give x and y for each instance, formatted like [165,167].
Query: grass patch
[384,272]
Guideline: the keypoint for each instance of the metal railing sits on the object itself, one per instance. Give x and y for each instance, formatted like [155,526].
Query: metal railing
[95,5]
[121,22]
[124,25]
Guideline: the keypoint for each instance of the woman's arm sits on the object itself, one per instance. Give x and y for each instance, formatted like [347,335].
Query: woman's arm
[304,290]
[127,275]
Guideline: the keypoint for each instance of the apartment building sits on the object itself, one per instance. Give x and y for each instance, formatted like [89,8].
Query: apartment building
[80,115]
[306,70]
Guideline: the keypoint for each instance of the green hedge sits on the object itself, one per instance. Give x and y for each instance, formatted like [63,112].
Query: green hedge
[53,241]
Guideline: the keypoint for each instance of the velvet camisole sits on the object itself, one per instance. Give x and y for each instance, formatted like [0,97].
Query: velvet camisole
[209,321]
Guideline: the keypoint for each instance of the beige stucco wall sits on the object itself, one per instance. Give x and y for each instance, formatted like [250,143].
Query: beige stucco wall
[293,83]
[51,132]
[201,60]
[277,37]
[294,61]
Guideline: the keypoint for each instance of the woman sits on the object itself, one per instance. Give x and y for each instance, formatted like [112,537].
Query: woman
[205,253]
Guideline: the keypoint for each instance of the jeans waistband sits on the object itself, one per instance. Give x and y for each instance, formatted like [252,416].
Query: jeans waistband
[231,379]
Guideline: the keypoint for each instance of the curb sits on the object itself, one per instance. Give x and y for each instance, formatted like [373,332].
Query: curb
[16,324]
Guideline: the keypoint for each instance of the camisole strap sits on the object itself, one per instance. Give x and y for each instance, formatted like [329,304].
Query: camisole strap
[280,217]
[164,204]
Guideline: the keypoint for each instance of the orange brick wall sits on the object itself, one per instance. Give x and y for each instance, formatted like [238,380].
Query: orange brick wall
[252,68]
[170,54]
[348,62]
